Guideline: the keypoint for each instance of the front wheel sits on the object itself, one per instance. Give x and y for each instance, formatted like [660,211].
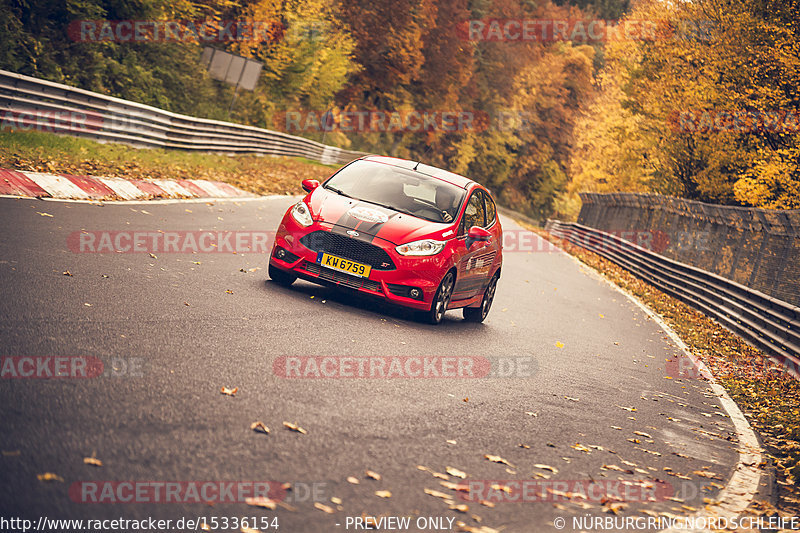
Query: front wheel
[280,277]
[441,299]
[478,314]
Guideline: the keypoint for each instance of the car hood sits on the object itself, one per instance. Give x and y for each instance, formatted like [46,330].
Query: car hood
[344,213]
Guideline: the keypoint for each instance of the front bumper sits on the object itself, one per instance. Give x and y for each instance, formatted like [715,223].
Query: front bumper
[423,273]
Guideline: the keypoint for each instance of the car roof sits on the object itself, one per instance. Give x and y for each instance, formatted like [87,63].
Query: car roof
[444,175]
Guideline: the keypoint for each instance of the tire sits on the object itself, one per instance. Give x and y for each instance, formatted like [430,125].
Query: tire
[478,314]
[281,277]
[441,299]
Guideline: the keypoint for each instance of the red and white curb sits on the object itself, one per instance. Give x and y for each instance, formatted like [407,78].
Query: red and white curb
[41,185]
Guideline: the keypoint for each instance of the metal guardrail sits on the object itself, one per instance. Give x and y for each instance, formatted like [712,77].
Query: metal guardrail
[31,103]
[758,248]
[769,324]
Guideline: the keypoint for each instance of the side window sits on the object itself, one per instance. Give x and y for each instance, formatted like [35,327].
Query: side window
[474,214]
[491,210]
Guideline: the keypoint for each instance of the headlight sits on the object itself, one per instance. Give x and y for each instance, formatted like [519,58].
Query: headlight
[423,247]
[302,214]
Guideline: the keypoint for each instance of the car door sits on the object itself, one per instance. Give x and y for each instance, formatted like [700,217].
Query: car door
[470,278]
[491,253]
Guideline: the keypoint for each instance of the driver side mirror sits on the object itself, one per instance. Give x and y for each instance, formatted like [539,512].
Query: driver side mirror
[309,185]
[477,234]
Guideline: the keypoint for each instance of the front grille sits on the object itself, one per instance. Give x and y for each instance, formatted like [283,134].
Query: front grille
[353,249]
[341,278]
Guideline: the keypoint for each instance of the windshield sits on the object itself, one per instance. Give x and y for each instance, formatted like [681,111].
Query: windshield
[403,190]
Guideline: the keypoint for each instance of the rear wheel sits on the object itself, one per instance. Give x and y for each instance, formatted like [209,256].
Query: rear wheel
[478,314]
[441,299]
[281,277]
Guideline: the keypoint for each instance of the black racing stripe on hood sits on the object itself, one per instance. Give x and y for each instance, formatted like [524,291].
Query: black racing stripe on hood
[342,230]
[367,230]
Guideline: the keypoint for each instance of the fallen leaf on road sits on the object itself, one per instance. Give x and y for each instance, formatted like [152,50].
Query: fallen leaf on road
[249,530]
[436,494]
[572,399]
[547,467]
[67,273]
[294,427]
[259,427]
[487,503]
[337,501]
[704,473]
[648,451]
[324,508]
[631,409]
[642,434]
[524,446]
[455,472]
[383,494]
[559,344]
[498,459]
[617,468]
[581,447]
[153,255]
[353,480]
[94,461]
[504,488]
[49,476]
[374,475]
[530,413]
[45,214]
[229,392]
[463,508]
[614,507]
[451,442]
[228,291]
[261,501]
[454,486]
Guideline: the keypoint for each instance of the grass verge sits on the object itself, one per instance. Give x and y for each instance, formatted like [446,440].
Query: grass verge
[768,397]
[47,152]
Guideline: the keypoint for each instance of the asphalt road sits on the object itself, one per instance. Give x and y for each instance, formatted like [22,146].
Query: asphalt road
[593,353]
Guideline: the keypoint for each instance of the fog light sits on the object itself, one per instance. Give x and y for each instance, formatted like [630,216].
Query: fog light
[280,253]
[415,293]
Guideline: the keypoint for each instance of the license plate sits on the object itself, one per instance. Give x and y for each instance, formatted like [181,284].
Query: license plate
[343,265]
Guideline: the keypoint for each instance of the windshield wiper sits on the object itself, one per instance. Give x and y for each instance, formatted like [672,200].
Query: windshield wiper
[337,191]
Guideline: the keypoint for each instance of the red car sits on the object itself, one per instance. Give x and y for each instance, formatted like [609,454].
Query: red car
[415,235]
